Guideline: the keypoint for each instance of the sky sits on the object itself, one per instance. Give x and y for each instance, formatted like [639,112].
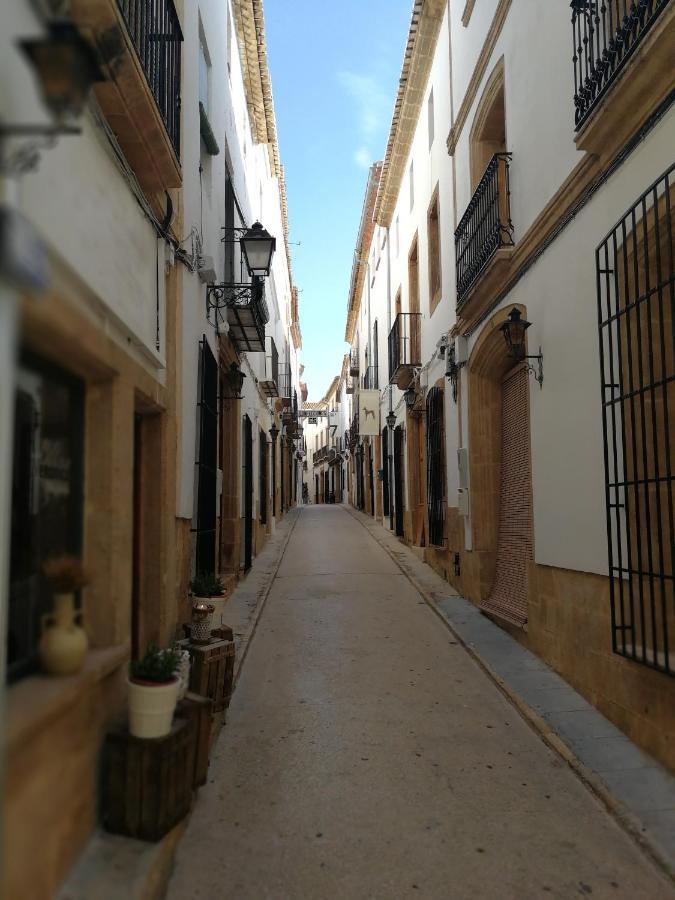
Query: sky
[335,66]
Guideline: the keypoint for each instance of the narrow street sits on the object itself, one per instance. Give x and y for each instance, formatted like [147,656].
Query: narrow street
[367,755]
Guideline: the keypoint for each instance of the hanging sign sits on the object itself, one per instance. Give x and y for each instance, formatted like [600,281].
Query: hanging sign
[313,420]
[369,412]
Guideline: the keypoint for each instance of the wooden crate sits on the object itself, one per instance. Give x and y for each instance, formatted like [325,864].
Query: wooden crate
[212,672]
[147,782]
[200,711]
[223,633]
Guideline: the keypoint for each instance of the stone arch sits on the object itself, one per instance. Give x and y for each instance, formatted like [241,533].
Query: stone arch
[488,131]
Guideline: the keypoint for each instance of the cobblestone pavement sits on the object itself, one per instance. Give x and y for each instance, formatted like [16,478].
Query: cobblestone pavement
[366,755]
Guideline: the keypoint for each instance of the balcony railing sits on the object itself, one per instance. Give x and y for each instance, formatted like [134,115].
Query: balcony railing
[156,34]
[270,384]
[370,378]
[284,383]
[354,431]
[349,385]
[486,225]
[354,362]
[605,33]
[405,345]
[246,310]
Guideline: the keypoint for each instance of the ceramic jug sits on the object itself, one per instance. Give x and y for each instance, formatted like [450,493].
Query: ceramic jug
[64,643]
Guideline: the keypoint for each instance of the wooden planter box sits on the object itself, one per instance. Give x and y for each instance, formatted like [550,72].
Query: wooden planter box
[199,711]
[212,672]
[147,782]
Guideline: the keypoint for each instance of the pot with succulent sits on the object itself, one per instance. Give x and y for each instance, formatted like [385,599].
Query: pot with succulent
[63,643]
[154,684]
[207,599]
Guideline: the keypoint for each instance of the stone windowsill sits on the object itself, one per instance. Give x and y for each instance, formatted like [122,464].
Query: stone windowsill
[34,701]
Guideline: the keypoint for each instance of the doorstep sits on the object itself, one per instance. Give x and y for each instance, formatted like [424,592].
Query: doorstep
[113,866]
[633,785]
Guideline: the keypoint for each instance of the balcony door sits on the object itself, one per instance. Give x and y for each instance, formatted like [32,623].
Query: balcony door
[488,134]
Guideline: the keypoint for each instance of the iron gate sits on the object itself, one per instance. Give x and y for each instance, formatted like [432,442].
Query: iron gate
[636,293]
[435,466]
[207,461]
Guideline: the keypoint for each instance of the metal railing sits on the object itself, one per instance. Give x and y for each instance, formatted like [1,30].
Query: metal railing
[405,345]
[354,431]
[354,362]
[370,378]
[349,385]
[156,35]
[486,224]
[605,34]
[284,381]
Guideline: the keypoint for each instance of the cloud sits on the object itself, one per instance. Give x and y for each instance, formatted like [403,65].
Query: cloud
[362,157]
[372,109]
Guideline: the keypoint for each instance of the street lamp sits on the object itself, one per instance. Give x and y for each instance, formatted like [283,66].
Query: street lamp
[514,329]
[236,379]
[65,66]
[258,247]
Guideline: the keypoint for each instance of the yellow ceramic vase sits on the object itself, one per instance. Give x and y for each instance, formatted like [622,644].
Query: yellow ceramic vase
[64,643]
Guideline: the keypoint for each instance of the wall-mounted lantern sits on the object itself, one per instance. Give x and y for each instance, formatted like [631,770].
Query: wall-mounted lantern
[514,329]
[391,419]
[235,378]
[410,397]
[65,67]
[258,247]
[274,433]
[452,369]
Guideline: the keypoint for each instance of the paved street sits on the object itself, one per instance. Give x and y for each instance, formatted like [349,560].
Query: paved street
[367,755]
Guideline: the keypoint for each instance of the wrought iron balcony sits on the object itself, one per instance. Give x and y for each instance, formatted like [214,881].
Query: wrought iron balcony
[284,383]
[405,348]
[349,385]
[156,35]
[605,33]
[354,362]
[354,431]
[246,312]
[486,224]
[270,385]
[370,378]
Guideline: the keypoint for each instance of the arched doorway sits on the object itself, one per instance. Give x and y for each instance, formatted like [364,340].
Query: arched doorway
[501,479]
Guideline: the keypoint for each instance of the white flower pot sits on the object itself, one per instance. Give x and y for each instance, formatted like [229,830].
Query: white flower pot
[151,708]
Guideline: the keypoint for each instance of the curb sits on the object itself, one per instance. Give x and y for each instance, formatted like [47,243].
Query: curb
[593,782]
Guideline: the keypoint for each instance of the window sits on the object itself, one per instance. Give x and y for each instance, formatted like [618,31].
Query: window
[47,500]
[262,473]
[434,250]
[412,186]
[430,117]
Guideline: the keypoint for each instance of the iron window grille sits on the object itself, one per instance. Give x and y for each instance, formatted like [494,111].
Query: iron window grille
[207,461]
[262,476]
[385,471]
[605,34]
[435,466]
[404,343]
[636,291]
[354,362]
[284,382]
[155,32]
[486,224]
[270,385]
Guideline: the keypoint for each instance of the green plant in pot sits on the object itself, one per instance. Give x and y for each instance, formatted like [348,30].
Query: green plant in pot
[153,692]
[63,643]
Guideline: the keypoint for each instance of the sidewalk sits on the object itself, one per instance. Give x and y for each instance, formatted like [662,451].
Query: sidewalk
[633,786]
[113,867]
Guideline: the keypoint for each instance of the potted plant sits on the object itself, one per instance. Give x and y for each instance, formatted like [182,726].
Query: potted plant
[153,692]
[63,643]
[207,598]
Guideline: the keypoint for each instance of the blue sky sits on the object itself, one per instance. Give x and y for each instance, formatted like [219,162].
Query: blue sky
[335,68]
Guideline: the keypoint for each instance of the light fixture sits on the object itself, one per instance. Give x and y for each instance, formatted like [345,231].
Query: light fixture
[258,247]
[235,378]
[391,419]
[274,433]
[514,329]
[410,397]
[452,368]
[65,66]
